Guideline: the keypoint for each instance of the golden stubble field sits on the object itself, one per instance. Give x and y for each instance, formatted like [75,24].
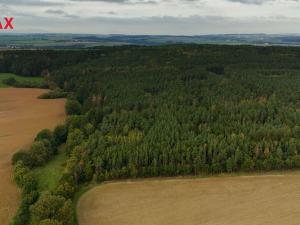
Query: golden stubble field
[22,116]
[244,200]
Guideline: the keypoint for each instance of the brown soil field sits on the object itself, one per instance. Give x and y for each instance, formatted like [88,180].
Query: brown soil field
[240,200]
[22,116]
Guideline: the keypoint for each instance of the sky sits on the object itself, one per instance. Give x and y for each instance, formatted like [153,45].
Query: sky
[157,17]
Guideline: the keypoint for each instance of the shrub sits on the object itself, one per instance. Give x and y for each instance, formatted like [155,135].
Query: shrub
[73,107]
[29,184]
[25,180]
[74,138]
[23,156]
[50,222]
[248,165]
[67,186]
[22,216]
[52,207]
[44,134]
[30,84]
[20,170]
[10,81]
[53,94]
[39,153]
[219,70]
[89,129]
[60,134]
[65,189]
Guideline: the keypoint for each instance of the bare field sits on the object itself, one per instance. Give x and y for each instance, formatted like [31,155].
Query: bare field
[241,200]
[22,116]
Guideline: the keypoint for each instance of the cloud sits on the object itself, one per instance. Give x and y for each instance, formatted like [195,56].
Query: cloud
[167,25]
[53,11]
[61,13]
[154,16]
[31,2]
[260,2]
[109,1]
[256,2]
[129,2]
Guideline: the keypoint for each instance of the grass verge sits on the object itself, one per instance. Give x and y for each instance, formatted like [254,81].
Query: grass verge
[3,76]
[48,176]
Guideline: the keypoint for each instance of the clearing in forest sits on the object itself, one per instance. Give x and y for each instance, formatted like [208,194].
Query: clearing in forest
[22,116]
[241,200]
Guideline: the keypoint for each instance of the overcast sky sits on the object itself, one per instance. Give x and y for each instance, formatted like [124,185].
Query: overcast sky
[178,17]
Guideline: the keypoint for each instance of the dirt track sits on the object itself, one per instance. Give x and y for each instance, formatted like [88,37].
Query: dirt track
[253,200]
[22,116]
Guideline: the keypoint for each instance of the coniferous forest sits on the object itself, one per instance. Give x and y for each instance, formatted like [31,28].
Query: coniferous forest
[159,111]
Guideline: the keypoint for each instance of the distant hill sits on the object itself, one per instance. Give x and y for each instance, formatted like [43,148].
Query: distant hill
[27,41]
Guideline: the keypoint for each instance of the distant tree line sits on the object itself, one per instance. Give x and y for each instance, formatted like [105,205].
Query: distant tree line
[31,63]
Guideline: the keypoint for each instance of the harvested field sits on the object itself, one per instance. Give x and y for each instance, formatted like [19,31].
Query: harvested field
[22,116]
[244,200]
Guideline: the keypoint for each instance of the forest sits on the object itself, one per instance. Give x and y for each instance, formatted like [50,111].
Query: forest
[137,111]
